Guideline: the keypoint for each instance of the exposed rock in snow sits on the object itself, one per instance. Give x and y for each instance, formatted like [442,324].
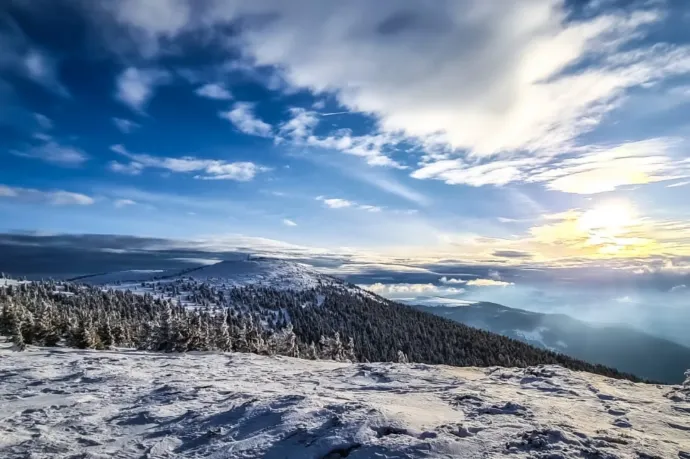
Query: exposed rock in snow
[129,404]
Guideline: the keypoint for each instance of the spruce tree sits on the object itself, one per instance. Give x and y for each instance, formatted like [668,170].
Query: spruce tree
[17,336]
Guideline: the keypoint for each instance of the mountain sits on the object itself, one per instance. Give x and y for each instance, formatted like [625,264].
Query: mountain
[130,404]
[276,273]
[626,349]
[256,305]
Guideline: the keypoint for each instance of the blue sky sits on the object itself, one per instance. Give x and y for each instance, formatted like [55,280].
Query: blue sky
[541,134]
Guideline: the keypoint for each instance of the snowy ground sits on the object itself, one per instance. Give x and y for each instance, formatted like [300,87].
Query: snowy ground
[63,403]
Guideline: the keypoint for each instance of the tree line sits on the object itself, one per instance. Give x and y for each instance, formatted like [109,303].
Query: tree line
[331,321]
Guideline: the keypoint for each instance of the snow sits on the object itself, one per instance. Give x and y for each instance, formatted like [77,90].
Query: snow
[279,274]
[131,404]
[8,282]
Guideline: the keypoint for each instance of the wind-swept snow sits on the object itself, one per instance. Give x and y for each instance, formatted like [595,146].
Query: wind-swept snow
[129,404]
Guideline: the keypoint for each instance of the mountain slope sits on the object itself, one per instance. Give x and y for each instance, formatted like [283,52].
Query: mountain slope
[279,274]
[332,320]
[627,349]
[129,404]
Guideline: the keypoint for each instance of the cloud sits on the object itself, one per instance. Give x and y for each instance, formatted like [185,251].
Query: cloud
[369,147]
[243,118]
[43,121]
[125,126]
[488,283]
[450,280]
[120,203]
[212,169]
[511,254]
[585,170]
[213,91]
[393,290]
[299,129]
[300,125]
[43,69]
[53,197]
[369,208]
[335,203]
[677,184]
[288,222]
[131,168]
[54,153]
[135,87]
[541,83]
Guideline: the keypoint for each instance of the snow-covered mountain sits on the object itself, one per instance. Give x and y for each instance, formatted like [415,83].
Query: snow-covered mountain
[620,347]
[276,273]
[59,403]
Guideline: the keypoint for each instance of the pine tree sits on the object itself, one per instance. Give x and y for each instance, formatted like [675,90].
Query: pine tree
[6,316]
[85,336]
[402,358]
[350,350]
[224,341]
[18,343]
[46,330]
[105,334]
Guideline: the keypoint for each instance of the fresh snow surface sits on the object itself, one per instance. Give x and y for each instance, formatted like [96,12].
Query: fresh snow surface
[62,403]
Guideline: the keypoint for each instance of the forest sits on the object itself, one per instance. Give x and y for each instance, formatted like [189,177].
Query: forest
[334,322]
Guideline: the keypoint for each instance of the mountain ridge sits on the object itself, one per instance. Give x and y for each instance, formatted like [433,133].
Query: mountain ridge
[622,347]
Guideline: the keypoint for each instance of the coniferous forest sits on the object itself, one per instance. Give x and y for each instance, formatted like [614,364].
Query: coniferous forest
[327,322]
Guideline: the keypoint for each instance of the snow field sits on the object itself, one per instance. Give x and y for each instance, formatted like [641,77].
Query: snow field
[66,403]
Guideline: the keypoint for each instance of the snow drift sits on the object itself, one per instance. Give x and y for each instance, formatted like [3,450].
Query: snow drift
[129,404]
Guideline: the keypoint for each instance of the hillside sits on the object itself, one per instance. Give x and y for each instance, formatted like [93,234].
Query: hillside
[623,348]
[279,274]
[235,312]
[130,404]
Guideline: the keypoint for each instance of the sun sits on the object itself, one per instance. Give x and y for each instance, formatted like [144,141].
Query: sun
[609,219]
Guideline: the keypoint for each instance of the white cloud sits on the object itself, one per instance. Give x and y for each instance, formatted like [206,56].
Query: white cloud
[288,222]
[300,125]
[487,283]
[135,87]
[55,153]
[589,170]
[125,126]
[53,197]
[243,118]
[451,280]
[131,168]
[398,290]
[212,169]
[335,203]
[369,147]
[677,184]
[370,208]
[213,91]
[120,203]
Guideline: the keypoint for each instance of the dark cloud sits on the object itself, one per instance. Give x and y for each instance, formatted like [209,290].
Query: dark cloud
[511,254]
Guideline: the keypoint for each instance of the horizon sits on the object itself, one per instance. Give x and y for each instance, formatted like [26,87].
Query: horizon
[537,158]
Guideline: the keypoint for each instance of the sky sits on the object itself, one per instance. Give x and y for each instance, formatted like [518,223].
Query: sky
[536,136]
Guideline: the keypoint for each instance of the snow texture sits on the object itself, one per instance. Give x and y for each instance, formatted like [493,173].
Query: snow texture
[62,403]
